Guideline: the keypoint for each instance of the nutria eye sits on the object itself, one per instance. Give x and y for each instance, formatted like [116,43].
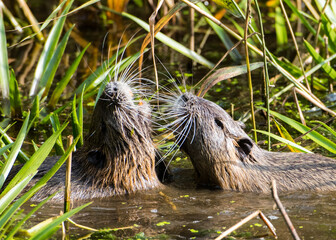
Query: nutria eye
[219,123]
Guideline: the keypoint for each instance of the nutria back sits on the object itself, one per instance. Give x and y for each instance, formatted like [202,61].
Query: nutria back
[118,154]
[224,156]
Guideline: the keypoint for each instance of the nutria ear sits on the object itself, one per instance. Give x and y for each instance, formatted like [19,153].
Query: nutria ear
[246,145]
[96,158]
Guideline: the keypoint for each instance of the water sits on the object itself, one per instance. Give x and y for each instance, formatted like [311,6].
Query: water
[188,213]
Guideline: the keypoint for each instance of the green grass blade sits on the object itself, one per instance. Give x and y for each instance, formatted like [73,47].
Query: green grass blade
[94,79]
[65,80]
[15,97]
[52,15]
[226,73]
[14,152]
[172,43]
[51,68]
[285,134]
[329,31]
[313,135]
[11,210]
[302,18]
[318,59]
[18,225]
[48,50]
[76,127]
[283,140]
[80,118]
[5,148]
[35,109]
[13,192]
[14,207]
[4,68]
[35,161]
[280,27]
[328,11]
[22,157]
[55,123]
[332,131]
[48,230]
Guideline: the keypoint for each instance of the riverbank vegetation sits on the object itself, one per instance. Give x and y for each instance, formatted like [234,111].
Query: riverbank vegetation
[278,55]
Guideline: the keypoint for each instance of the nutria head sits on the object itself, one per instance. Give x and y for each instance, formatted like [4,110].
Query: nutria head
[118,151]
[224,156]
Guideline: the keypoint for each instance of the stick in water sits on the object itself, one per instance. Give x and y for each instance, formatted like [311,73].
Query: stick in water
[283,211]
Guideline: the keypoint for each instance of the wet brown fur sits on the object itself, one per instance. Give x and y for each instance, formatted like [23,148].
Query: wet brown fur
[118,155]
[224,156]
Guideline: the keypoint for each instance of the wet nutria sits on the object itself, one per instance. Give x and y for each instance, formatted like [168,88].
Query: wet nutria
[118,155]
[224,156]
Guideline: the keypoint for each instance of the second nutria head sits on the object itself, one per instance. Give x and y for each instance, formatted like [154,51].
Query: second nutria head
[224,156]
[119,152]
[212,139]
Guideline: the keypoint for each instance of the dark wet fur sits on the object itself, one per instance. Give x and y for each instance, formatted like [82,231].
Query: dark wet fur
[118,155]
[224,156]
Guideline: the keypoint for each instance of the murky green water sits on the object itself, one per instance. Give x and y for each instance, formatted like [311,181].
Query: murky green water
[202,214]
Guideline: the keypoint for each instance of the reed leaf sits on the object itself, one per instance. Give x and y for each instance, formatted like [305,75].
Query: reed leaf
[51,68]
[11,209]
[329,31]
[18,225]
[13,192]
[302,18]
[65,80]
[15,96]
[55,123]
[46,231]
[105,72]
[22,157]
[318,59]
[286,141]
[35,161]
[35,109]
[331,130]
[15,206]
[225,73]
[4,68]
[285,134]
[313,135]
[5,169]
[328,11]
[80,118]
[5,148]
[171,43]
[48,50]
[76,127]
[280,27]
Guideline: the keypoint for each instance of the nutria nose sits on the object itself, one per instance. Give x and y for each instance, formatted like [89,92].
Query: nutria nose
[184,98]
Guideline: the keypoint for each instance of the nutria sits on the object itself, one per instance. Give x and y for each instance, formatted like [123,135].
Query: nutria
[224,156]
[118,154]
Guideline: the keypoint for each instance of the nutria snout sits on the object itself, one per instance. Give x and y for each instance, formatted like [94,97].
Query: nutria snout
[118,154]
[224,156]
